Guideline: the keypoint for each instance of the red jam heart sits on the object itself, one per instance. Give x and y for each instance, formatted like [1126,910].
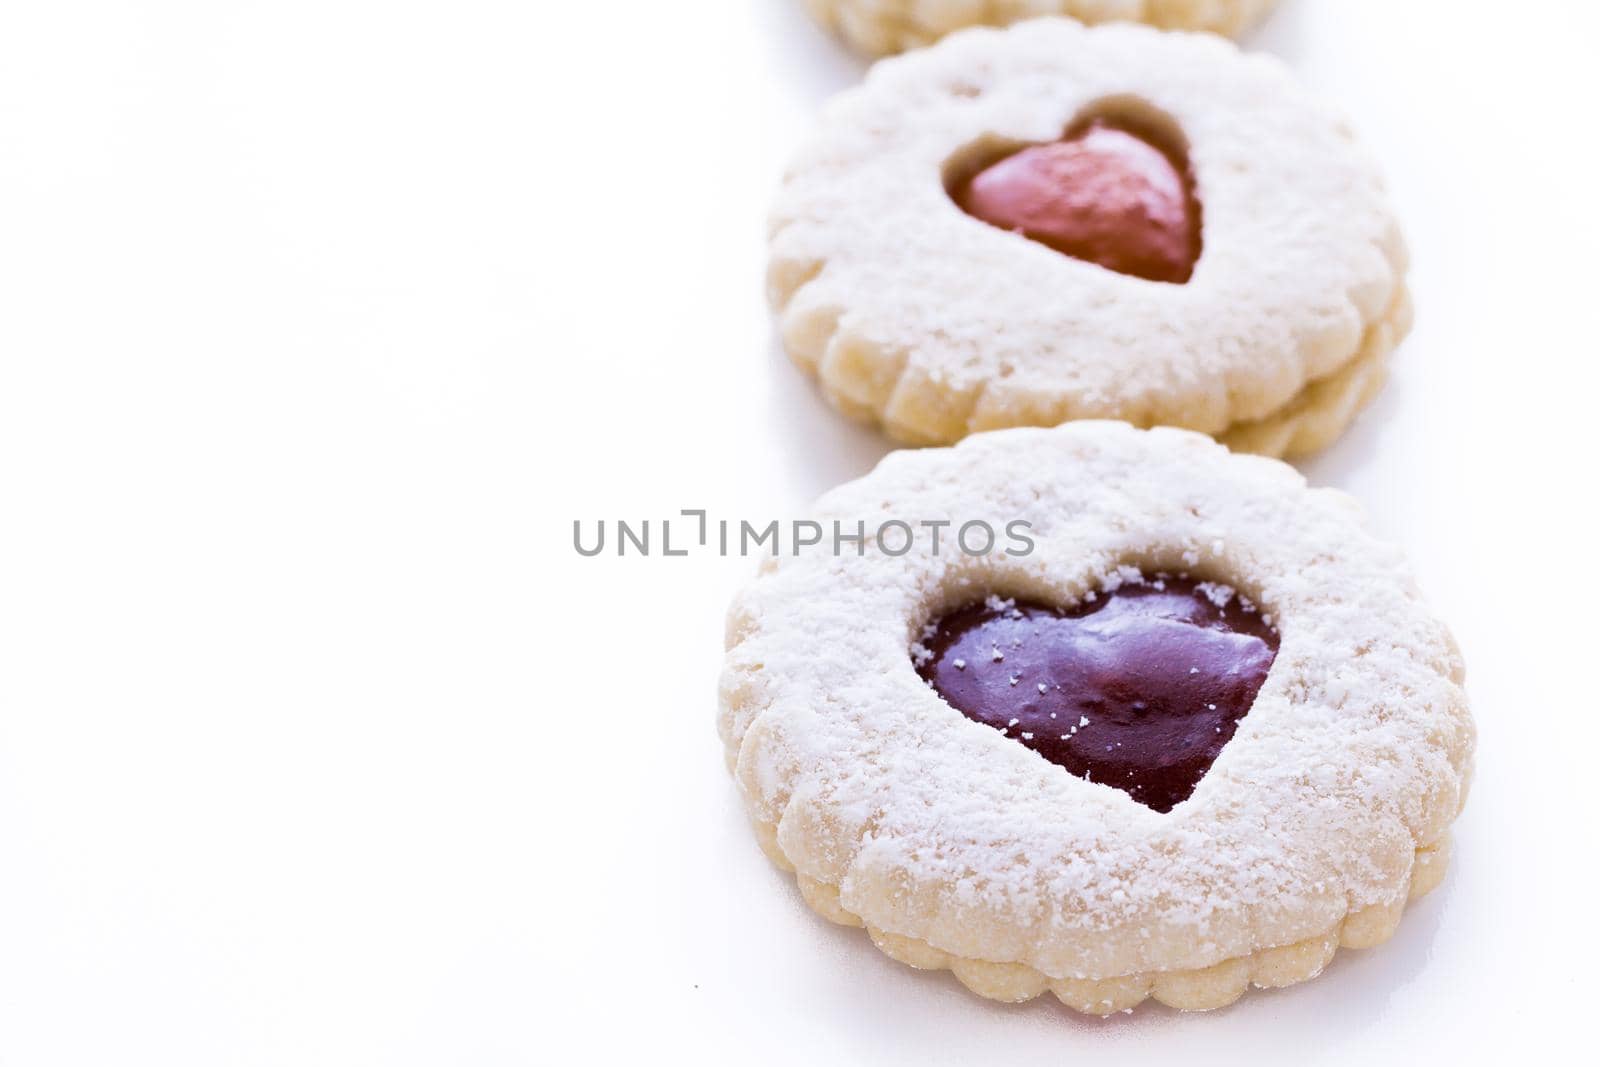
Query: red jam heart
[1103,194]
[1139,688]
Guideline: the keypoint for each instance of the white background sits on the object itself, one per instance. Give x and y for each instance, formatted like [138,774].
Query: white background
[320,322]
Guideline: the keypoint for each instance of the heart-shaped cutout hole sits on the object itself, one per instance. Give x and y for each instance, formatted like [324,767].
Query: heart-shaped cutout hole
[1111,191]
[1139,688]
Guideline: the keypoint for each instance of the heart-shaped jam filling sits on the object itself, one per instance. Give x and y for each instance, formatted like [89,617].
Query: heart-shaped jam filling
[1139,688]
[1105,193]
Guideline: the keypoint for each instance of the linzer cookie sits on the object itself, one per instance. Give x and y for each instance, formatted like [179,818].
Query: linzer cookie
[1053,222]
[1194,730]
[879,27]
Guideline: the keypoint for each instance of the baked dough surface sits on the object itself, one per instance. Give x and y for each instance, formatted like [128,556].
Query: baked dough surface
[878,27]
[935,325]
[957,847]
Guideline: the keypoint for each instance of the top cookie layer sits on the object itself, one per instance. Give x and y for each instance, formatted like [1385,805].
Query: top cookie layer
[938,324]
[879,27]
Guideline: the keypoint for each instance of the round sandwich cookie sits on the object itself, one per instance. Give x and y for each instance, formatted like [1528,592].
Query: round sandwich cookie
[1050,222]
[1176,725]
[879,27]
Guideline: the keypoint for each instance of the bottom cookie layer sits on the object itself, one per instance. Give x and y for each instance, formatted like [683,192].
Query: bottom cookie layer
[1309,421]
[1190,990]
[1325,408]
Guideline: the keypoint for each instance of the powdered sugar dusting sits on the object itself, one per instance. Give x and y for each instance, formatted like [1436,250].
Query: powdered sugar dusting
[955,328]
[939,829]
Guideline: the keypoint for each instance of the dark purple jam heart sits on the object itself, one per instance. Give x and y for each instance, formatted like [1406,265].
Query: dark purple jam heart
[1139,688]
